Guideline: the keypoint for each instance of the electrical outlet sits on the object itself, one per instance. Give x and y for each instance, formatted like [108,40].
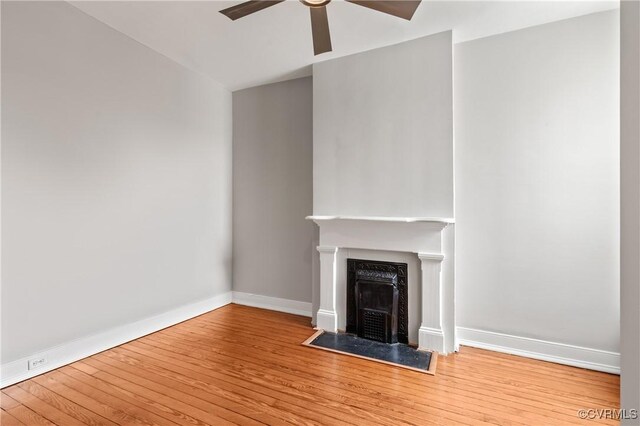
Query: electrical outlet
[37,362]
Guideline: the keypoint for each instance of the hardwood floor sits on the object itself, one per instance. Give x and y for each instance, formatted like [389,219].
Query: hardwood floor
[241,365]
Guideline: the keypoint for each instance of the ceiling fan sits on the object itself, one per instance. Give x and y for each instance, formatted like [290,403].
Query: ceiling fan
[318,9]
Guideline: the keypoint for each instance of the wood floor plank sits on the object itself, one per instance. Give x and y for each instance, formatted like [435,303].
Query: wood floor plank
[176,390]
[246,366]
[217,416]
[41,407]
[6,402]
[28,417]
[7,419]
[93,400]
[143,398]
[63,404]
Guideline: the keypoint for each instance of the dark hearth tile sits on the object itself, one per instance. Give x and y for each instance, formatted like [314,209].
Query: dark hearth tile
[398,353]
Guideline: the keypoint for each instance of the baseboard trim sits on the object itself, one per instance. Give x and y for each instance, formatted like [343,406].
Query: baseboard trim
[58,356]
[576,356]
[272,303]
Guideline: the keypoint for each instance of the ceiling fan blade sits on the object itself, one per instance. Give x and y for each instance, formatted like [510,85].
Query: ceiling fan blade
[320,30]
[401,8]
[247,8]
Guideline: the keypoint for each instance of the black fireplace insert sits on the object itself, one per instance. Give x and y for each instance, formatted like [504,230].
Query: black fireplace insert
[377,300]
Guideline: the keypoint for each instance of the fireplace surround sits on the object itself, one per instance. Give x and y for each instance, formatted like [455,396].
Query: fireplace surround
[428,240]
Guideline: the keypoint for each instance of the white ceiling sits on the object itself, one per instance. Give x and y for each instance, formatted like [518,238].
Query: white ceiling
[275,44]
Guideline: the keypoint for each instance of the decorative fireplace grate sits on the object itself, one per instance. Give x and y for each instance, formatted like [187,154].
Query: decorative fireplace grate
[377,300]
[374,325]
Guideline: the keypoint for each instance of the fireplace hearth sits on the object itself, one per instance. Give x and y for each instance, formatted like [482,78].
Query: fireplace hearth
[377,300]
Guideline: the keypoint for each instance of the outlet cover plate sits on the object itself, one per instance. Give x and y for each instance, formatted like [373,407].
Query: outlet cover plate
[37,362]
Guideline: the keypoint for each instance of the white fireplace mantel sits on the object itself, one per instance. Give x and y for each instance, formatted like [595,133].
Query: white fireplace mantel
[382,219]
[431,239]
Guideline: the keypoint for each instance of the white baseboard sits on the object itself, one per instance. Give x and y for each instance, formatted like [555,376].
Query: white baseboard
[576,356]
[17,371]
[272,303]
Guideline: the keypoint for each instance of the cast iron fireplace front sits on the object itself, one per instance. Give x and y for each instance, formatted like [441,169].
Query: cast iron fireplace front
[377,300]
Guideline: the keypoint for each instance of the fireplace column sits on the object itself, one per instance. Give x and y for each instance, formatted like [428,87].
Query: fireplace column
[430,335]
[327,319]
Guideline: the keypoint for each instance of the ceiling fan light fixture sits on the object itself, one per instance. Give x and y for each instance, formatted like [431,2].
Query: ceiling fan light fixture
[315,3]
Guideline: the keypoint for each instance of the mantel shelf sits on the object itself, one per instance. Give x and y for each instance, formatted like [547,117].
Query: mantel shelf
[384,219]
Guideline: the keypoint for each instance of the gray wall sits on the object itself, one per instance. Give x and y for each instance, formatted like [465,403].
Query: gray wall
[116,180]
[272,190]
[383,132]
[537,183]
[630,204]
